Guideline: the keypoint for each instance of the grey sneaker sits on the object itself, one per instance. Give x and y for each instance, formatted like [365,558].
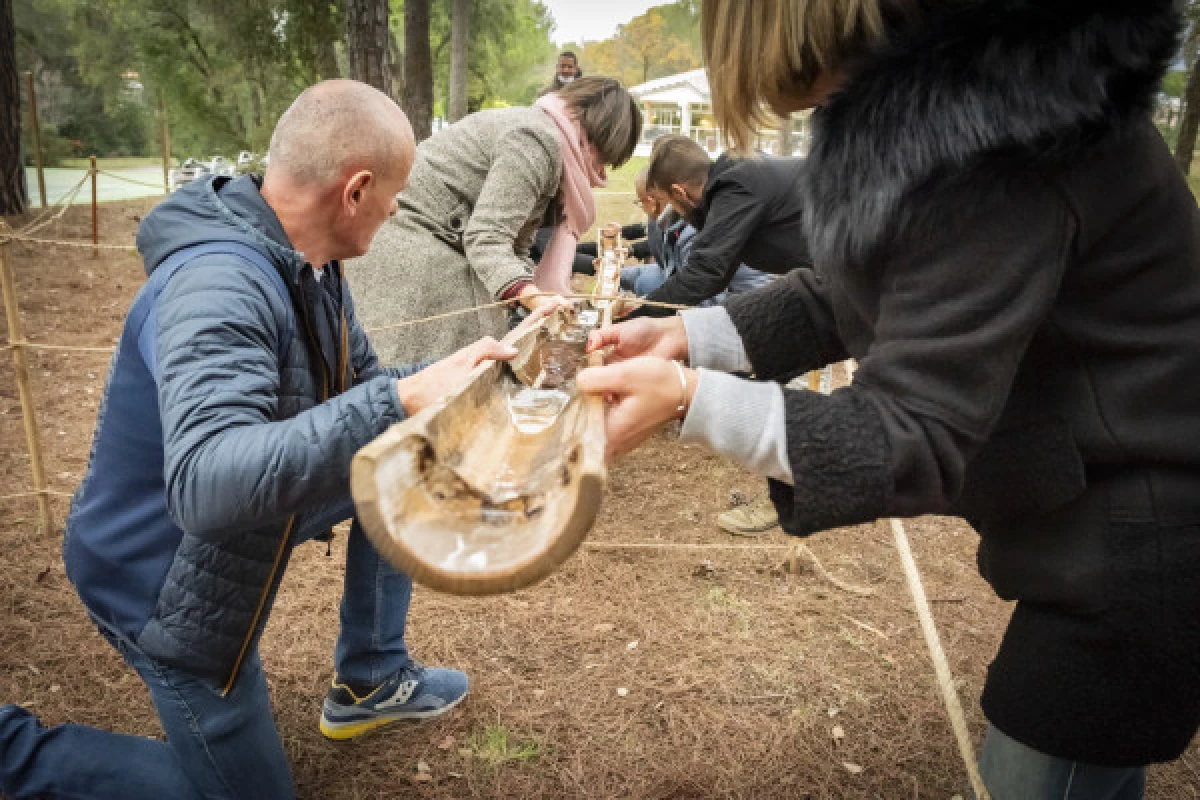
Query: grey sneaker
[414,692]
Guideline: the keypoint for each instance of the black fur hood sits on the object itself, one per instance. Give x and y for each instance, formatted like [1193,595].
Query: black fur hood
[1031,79]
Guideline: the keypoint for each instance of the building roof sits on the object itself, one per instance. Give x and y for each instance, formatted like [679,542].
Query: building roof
[696,80]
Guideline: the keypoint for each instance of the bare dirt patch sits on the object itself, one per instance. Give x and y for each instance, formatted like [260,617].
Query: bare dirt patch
[672,673]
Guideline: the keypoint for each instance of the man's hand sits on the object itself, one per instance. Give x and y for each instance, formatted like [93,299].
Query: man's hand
[665,338]
[641,394]
[431,384]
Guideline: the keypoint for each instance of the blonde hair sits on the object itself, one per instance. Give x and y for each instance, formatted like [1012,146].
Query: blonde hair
[758,52]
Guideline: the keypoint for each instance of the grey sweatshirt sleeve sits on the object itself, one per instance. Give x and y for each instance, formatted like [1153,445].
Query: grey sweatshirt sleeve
[714,341]
[741,419]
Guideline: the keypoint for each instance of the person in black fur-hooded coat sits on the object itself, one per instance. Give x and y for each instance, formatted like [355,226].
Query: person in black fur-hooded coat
[1003,241]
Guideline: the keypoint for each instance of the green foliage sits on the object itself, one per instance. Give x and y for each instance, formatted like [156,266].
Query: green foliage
[508,52]
[75,118]
[228,70]
[1174,83]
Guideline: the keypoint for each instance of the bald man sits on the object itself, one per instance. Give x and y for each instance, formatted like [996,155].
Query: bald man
[242,386]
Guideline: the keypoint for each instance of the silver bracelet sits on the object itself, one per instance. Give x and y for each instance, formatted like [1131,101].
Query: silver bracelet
[683,387]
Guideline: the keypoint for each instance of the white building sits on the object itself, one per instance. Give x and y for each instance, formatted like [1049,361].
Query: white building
[683,104]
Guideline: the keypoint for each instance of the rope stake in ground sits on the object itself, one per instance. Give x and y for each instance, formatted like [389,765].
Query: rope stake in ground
[20,366]
[937,654]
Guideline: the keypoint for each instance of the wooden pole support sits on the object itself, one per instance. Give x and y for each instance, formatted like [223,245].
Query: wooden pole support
[165,136]
[937,654]
[21,367]
[941,667]
[95,213]
[37,137]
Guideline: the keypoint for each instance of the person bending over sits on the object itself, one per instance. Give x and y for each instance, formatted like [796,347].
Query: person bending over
[479,191]
[638,236]
[1006,245]
[242,386]
[745,212]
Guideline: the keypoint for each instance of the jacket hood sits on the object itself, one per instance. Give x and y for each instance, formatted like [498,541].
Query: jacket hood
[216,209]
[1032,79]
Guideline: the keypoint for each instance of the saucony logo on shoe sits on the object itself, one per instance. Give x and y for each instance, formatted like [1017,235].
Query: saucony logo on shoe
[404,692]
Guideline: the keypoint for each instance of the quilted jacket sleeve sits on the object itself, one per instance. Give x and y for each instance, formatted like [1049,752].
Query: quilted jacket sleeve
[228,466]
[362,354]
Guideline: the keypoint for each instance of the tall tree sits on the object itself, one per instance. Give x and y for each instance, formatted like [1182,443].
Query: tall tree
[652,45]
[1185,147]
[418,68]
[458,59]
[368,43]
[14,198]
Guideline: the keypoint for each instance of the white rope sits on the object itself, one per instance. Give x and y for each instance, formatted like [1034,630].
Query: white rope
[937,654]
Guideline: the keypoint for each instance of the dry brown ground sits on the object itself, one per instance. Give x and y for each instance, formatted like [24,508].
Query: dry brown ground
[738,678]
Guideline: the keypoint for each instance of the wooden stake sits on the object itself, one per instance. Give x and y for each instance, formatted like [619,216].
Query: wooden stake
[166,141]
[937,654]
[95,214]
[21,367]
[37,137]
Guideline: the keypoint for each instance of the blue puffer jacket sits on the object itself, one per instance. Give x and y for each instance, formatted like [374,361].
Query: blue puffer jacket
[225,434]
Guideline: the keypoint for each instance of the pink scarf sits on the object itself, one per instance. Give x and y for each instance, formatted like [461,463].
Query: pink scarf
[579,177]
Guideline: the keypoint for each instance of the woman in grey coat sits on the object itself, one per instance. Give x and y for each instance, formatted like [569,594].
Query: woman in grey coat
[478,192]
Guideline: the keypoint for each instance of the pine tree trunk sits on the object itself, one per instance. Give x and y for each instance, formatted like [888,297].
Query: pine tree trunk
[1190,123]
[14,198]
[367,43]
[461,36]
[418,68]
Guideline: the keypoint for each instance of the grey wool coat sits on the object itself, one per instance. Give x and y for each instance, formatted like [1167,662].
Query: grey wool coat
[478,192]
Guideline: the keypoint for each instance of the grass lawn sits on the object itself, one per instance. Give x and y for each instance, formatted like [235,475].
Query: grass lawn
[621,180]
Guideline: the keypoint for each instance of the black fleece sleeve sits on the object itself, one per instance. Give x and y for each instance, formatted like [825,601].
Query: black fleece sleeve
[733,217]
[956,314]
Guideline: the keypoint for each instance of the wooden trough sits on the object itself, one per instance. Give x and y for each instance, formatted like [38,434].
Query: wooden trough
[493,488]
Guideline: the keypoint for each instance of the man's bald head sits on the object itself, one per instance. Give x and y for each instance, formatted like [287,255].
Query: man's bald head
[339,127]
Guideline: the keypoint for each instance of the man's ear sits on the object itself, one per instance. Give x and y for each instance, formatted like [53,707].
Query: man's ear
[356,187]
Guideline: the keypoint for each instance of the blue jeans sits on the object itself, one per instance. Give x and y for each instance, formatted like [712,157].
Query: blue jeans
[1013,771]
[216,747]
[642,279]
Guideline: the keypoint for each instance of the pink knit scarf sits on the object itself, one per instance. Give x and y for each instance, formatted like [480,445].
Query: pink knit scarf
[579,177]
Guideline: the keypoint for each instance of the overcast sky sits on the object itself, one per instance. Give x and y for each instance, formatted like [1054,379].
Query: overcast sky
[576,20]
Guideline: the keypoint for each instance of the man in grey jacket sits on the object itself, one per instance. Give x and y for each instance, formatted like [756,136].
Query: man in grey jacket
[242,386]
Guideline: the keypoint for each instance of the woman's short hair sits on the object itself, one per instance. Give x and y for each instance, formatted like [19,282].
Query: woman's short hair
[608,115]
[757,53]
